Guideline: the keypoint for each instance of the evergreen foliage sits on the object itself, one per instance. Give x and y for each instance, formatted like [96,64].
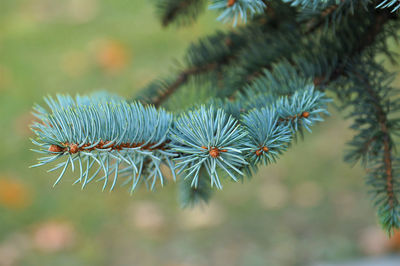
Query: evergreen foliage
[181,12]
[389,4]
[267,79]
[233,9]
[209,139]
[119,137]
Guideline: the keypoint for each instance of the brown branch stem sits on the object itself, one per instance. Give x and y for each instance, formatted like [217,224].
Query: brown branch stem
[74,147]
[372,32]
[180,80]
[381,117]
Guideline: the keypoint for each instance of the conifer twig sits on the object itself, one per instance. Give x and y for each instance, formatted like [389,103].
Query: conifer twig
[372,32]
[381,116]
[180,80]
[313,24]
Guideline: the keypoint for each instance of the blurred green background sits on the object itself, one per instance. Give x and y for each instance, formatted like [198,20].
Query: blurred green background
[310,207]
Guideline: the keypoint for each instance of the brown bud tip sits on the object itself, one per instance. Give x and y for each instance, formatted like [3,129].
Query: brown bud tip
[214,152]
[318,80]
[204,147]
[55,148]
[305,114]
[258,152]
[265,149]
[231,2]
[263,20]
[73,148]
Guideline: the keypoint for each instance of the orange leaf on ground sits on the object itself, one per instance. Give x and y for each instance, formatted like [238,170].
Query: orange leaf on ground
[14,194]
[112,56]
[54,236]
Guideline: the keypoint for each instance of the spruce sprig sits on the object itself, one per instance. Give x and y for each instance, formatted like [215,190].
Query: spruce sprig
[268,137]
[267,79]
[232,10]
[210,139]
[132,141]
[109,132]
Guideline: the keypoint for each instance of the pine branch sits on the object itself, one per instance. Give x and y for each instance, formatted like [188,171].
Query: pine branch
[389,3]
[99,130]
[366,90]
[132,140]
[179,11]
[221,49]
[314,23]
[371,35]
[209,139]
[382,120]
[201,59]
[232,10]
[181,79]
[276,46]
[271,74]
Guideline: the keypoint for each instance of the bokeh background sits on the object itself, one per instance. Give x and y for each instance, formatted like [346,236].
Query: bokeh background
[309,208]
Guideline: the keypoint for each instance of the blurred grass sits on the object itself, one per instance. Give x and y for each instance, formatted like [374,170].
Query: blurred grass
[308,207]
